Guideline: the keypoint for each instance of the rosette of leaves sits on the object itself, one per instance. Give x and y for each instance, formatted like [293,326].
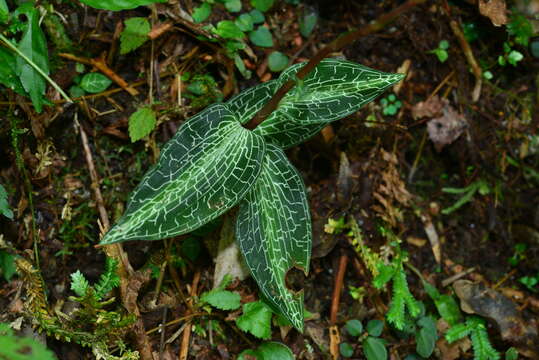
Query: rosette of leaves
[213,163]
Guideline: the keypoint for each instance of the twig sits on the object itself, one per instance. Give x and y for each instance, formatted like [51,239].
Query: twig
[455,277]
[470,58]
[333,46]
[162,328]
[100,65]
[184,348]
[335,299]
[159,29]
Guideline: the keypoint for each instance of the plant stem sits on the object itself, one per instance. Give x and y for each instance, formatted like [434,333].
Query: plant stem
[37,68]
[333,46]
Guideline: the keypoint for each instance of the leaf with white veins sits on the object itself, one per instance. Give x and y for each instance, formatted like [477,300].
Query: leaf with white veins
[333,90]
[274,232]
[204,170]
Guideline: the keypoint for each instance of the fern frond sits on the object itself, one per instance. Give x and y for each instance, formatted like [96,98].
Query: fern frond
[395,315]
[79,284]
[108,280]
[482,347]
[457,332]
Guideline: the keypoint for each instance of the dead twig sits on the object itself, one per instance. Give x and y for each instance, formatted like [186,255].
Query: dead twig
[184,347]
[465,46]
[101,65]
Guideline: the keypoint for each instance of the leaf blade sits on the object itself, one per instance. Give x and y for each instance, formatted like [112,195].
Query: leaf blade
[273,231]
[204,170]
[333,90]
[117,5]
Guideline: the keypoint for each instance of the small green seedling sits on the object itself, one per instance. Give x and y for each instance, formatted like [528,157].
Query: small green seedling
[467,193]
[374,348]
[474,327]
[519,254]
[441,51]
[510,55]
[390,105]
[214,164]
[530,282]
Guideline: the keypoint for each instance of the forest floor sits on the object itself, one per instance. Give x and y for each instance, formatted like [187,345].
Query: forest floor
[442,168]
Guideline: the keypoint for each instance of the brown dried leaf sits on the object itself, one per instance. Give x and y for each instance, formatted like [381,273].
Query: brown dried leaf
[429,108]
[476,298]
[447,128]
[495,10]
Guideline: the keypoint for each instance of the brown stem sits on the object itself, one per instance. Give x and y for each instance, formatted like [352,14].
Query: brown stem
[333,46]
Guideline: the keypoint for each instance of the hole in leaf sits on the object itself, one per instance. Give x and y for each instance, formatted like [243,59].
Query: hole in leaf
[295,279]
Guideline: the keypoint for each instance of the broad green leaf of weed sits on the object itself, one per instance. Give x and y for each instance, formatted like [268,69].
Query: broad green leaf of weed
[256,319]
[244,22]
[21,348]
[307,22]
[261,37]
[8,71]
[375,327]
[34,45]
[4,205]
[222,299]
[228,30]
[272,350]
[117,5]
[233,5]
[277,61]
[262,5]
[346,350]
[258,16]
[354,327]
[374,349]
[7,265]
[426,336]
[95,83]
[201,12]
[4,12]
[134,35]
[141,123]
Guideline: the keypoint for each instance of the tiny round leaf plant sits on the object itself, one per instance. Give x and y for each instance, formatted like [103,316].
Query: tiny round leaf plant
[213,163]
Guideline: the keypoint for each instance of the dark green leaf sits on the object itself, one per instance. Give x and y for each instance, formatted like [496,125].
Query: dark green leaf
[141,123]
[21,348]
[258,17]
[448,309]
[4,12]
[4,205]
[426,336]
[8,72]
[346,349]
[275,351]
[7,265]
[222,299]
[233,5]
[274,232]
[277,61]
[117,5]
[34,45]
[202,12]
[134,35]
[256,319]
[244,22]
[228,30]
[204,170]
[307,22]
[261,37]
[375,327]
[262,5]
[335,89]
[95,82]
[354,327]
[374,349]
